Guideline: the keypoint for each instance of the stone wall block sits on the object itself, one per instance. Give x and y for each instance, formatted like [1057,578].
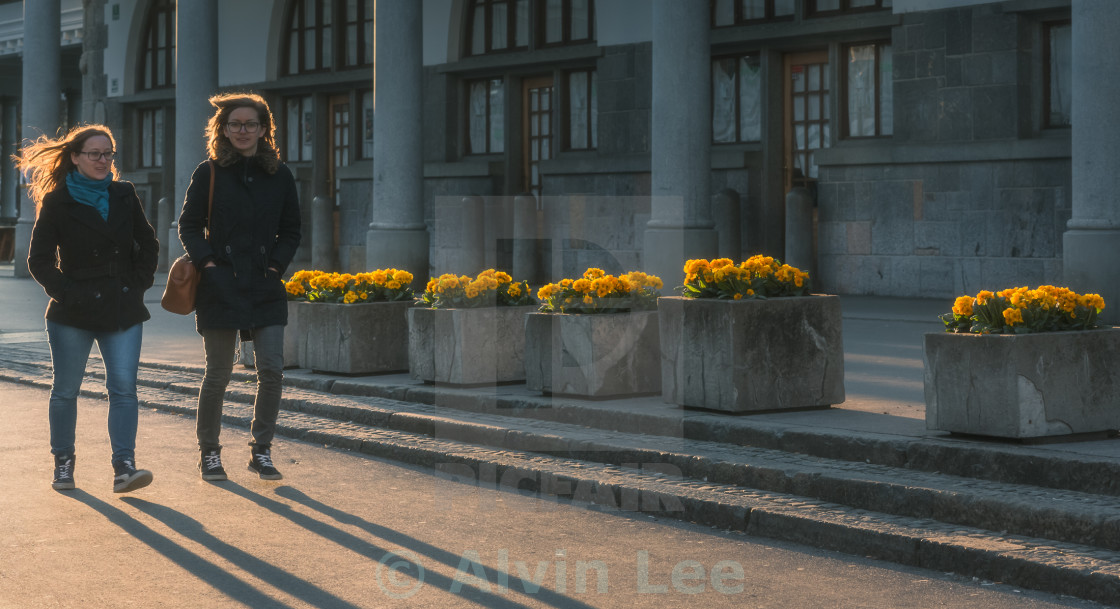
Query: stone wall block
[596,356]
[364,338]
[751,356]
[1023,386]
[481,346]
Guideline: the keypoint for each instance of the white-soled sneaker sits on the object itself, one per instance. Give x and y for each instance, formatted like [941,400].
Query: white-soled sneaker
[128,478]
[260,461]
[63,473]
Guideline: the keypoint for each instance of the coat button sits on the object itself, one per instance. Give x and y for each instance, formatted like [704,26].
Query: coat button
[116,251]
[228,250]
[262,249]
[125,289]
[97,294]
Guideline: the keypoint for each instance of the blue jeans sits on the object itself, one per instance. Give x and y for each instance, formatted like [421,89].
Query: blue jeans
[268,357]
[120,350]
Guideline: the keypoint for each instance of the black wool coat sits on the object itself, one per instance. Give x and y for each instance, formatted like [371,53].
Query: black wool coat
[254,225]
[94,270]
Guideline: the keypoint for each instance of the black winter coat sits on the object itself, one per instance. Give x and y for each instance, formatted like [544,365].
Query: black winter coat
[95,271]
[255,225]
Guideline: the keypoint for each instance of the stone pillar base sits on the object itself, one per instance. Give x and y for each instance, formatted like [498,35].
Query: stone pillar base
[665,251]
[405,249]
[1091,261]
[23,239]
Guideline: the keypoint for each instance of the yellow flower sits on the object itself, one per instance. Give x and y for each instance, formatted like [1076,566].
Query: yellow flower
[983,297]
[393,285]
[593,273]
[582,286]
[963,306]
[514,290]
[349,297]
[471,290]
[546,291]
[364,295]
[738,296]
[588,300]
[1012,316]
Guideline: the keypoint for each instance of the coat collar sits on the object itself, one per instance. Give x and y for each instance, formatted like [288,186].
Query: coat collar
[87,215]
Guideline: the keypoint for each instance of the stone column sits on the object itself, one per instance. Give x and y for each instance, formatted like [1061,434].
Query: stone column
[1091,257]
[397,235]
[42,85]
[9,178]
[196,79]
[680,225]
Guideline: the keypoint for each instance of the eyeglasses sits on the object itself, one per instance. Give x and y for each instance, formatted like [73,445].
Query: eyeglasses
[249,127]
[97,155]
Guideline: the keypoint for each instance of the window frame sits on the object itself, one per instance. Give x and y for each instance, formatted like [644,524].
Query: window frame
[1047,72]
[738,19]
[343,23]
[158,132]
[846,8]
[737,57]
[148,68]
[468,144]
[306,151]
[295,24]
[592,116]
[844,118]
[536,28]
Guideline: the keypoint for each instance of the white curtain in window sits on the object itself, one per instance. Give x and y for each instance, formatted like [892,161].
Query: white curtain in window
[861,90]
[886,90]
[723,100]
[594,103]
[577,109]
[478,133]
[725,12]
[1061,62]
[497,117]
[754,9]
[499,16]
[581,20]
[750,99]
[292,137]
[553,21]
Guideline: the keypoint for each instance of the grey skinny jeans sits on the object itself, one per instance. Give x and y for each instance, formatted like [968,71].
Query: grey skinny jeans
[268,354]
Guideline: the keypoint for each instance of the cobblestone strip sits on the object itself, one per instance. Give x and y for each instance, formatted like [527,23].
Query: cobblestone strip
[1062,515]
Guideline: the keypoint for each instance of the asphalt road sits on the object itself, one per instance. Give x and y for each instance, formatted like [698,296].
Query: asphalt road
[343,530]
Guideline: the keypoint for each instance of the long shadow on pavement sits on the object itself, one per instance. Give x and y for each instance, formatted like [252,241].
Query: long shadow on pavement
[214,575]
[382,555]
[277,577]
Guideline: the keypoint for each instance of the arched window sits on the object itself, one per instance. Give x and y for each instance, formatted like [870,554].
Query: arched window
[495,26]
[325,35]
[157,70]
[309,37]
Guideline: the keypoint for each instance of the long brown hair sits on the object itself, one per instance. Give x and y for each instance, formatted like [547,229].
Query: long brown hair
[222,150]
[46,161]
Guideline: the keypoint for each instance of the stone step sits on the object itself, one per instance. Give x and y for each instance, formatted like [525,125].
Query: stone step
[1061,515]
[992,554]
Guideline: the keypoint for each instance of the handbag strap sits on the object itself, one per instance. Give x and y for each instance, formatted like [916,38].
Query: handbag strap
[210,203]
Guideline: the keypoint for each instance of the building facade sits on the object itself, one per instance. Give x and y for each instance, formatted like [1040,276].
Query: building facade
[936,140]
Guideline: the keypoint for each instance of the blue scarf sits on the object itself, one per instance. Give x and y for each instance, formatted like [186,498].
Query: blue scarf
[94,193]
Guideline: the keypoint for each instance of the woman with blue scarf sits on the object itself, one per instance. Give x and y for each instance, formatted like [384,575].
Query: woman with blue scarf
[95,253]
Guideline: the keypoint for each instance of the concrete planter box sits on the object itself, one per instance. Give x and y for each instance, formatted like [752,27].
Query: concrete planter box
[752,355]
[467,346]
[596,356]
[291,341]
[1023,386]
[354,339]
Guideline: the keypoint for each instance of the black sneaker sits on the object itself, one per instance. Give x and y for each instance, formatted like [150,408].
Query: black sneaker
[128,478]
[63,473]
[210,464]
[260,461]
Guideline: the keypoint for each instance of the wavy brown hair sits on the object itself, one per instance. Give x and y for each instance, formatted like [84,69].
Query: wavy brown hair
[221,150]
[46,161]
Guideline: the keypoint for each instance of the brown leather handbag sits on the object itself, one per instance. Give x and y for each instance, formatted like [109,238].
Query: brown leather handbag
[182,278]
